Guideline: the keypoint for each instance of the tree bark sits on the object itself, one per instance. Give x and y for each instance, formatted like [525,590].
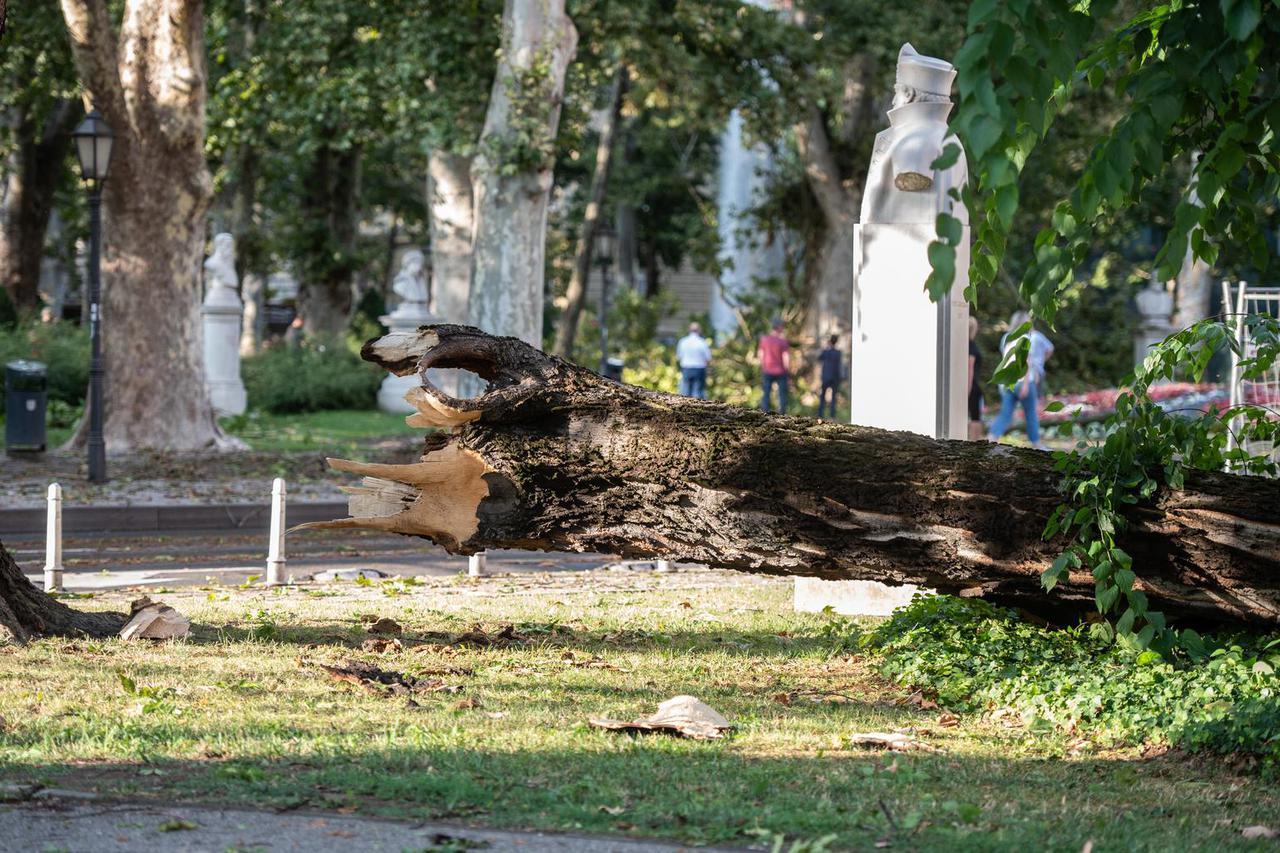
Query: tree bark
[553,457]
[452,226]
[576,295]
[26,612]
[37,165]
[511,176]
[149,84]
[830,308]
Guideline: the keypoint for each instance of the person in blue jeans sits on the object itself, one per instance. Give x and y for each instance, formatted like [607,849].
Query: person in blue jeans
[693,354]
[774,353]
[1025,391]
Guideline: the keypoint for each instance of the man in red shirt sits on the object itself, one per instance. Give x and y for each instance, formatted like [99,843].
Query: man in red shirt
[775,364]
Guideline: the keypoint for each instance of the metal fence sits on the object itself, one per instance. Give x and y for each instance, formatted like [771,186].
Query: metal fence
[1239,300]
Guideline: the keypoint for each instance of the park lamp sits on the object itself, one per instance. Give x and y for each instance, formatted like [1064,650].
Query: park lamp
[605,242]
[94,139]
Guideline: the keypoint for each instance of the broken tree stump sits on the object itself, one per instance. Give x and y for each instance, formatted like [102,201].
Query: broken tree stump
[554,457]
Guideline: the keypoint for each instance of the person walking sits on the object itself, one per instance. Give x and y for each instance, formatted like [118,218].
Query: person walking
[831,374]
[1026,391]
[775,365]
[693,355]
[975,383]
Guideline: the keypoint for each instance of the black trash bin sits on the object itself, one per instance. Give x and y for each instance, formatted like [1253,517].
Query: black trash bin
[26,395]
[613,369]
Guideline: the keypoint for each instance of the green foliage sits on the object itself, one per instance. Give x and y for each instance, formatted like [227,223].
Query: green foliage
[1147,449]
[1174,65]
[62,347]
[976,657]
[311,377]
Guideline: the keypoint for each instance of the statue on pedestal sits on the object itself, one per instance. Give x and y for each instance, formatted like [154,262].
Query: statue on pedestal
[410,284]
[221,315]
[902,339]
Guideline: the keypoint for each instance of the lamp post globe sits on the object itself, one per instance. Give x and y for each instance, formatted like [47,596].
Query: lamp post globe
[94,140]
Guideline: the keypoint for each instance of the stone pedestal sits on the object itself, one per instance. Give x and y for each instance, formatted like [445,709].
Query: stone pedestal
[222,355]
[851,598]
[406,318]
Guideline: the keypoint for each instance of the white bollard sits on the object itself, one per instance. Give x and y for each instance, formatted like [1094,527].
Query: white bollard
[53,541]
[664,566]
[475,565]
[275,552]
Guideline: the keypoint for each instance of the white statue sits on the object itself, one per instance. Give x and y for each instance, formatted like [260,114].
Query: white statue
[220,277]
[411,282]
[902,185]
[222,316]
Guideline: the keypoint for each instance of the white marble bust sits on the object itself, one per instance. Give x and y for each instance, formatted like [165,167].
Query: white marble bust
[1155,302]
[220,273]
[411,281]
[902,185]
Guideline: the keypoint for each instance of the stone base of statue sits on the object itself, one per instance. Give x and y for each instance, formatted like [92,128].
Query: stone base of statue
[909,360]
[407,317]
[221,314]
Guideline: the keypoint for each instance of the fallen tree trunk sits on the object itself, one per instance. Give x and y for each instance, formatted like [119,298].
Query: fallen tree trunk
[26,612]
[554,457]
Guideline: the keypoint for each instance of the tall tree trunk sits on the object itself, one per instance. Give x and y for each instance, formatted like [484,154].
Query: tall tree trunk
[452,227]
[576,296]
[327,298]
[249,242]
[150,86]
[511,176]
[830,307]
[1195,297]
[554,457]
[38,163]
[26,612]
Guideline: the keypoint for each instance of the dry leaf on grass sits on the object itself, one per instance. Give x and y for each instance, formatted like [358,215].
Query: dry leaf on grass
[889,740]
[948,720]
[381,645]
[1259,831]
[681,715]
[385,626]
[383,681]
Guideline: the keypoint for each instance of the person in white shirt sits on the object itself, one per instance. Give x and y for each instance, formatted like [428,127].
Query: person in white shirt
[693,355]
[1026,391]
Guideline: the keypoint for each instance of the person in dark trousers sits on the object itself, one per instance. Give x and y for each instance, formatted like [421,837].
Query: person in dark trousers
[976,430]
[831,364]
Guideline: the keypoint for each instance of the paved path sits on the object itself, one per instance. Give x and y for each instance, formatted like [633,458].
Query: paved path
[94,563]
[62,822]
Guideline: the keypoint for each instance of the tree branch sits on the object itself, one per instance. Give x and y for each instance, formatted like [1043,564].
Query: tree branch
[820,167]
[93,44]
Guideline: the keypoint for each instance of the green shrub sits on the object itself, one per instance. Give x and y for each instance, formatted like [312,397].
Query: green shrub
[975,657]
[311,377]
[64,349]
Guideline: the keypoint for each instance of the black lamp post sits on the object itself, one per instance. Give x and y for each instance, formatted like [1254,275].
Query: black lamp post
[604,245]
[94,139]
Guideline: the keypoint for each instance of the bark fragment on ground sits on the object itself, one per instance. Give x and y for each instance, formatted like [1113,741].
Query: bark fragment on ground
[554,457]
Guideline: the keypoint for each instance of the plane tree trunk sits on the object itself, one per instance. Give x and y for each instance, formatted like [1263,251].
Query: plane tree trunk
[553,457]
[26,612]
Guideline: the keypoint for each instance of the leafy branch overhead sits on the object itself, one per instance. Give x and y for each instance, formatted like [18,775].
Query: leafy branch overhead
[1200,81]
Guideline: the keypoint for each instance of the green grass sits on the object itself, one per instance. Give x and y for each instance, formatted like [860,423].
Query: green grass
[237,713]
[316,430]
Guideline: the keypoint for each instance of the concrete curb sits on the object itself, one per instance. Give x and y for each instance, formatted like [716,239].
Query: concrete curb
[164,518]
